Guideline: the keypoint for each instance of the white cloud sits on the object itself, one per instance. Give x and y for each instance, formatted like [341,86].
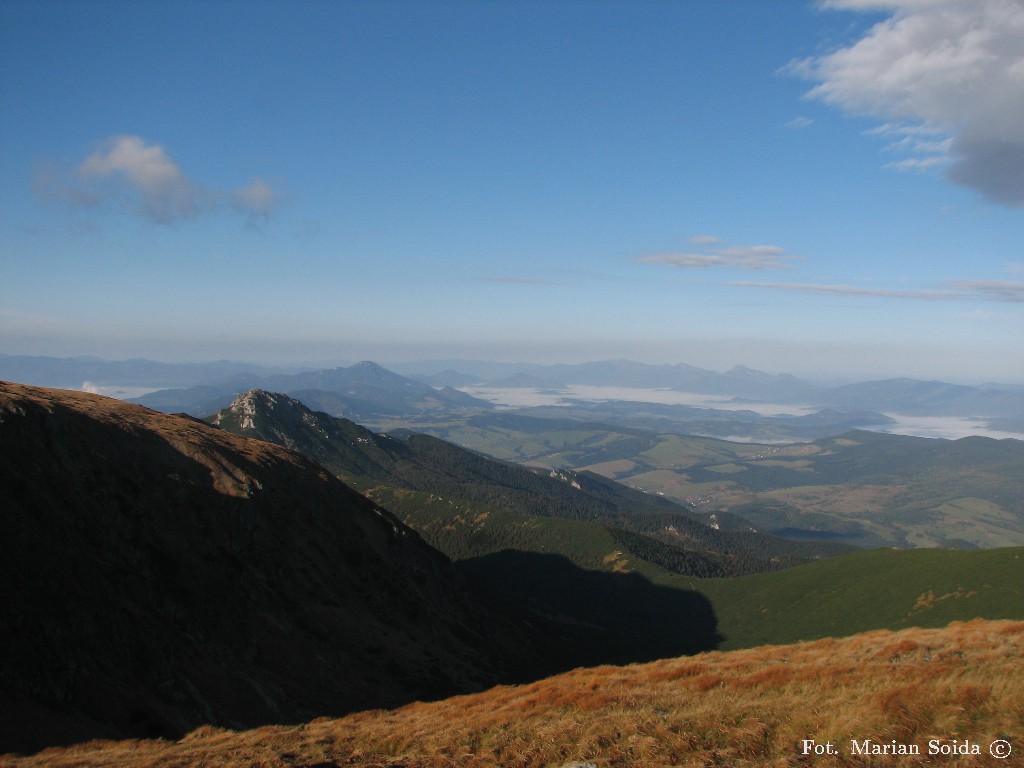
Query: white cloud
[128,163]
[743,257]
[953,68]
[144,180]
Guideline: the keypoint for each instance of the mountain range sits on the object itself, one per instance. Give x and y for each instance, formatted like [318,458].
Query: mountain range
[366,391]
[373,395]
[71,372]
[904,395]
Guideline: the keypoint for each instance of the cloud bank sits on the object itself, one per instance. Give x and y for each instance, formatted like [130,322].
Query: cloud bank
[142,178]
[947,77]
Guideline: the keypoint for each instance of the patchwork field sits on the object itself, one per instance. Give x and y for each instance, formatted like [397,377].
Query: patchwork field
[864,488]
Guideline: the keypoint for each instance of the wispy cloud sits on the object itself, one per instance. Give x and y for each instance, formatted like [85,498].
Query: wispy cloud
[974,290]
[993,290]
[142,178]
[847,290]
[754,257]
[948,68]
[256,201]
[918,163]
[799,122]
[522,281]
[977,314]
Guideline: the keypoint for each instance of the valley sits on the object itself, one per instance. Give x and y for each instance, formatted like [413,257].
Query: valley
[503,524]
[863,488]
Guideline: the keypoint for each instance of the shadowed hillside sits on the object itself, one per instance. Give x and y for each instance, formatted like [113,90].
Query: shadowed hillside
[589,617]
[159,573]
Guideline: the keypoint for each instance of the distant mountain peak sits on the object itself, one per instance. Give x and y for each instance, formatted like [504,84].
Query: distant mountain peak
[370,367]
[260,395]
[743,370]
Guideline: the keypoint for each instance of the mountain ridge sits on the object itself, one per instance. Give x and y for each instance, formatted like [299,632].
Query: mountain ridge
[420,462]
[365,390]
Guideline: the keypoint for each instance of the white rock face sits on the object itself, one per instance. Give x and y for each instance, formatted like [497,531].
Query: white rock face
[244,406]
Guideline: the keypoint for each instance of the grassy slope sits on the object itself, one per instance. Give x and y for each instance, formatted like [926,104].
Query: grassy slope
[868,590]
[741,709]
[464,529]
[878,589]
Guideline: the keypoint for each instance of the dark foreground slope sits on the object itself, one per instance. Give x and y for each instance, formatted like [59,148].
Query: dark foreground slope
[952,696]
[158,574]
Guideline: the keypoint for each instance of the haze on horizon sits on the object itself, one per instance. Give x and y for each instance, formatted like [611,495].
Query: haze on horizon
[842,197]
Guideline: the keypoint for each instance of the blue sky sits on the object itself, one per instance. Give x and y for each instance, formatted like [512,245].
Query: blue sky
[831,189]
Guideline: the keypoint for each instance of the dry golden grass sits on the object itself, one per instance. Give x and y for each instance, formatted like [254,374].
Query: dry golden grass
[741,708]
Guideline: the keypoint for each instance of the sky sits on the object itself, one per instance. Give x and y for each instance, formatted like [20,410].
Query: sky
[830,189]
